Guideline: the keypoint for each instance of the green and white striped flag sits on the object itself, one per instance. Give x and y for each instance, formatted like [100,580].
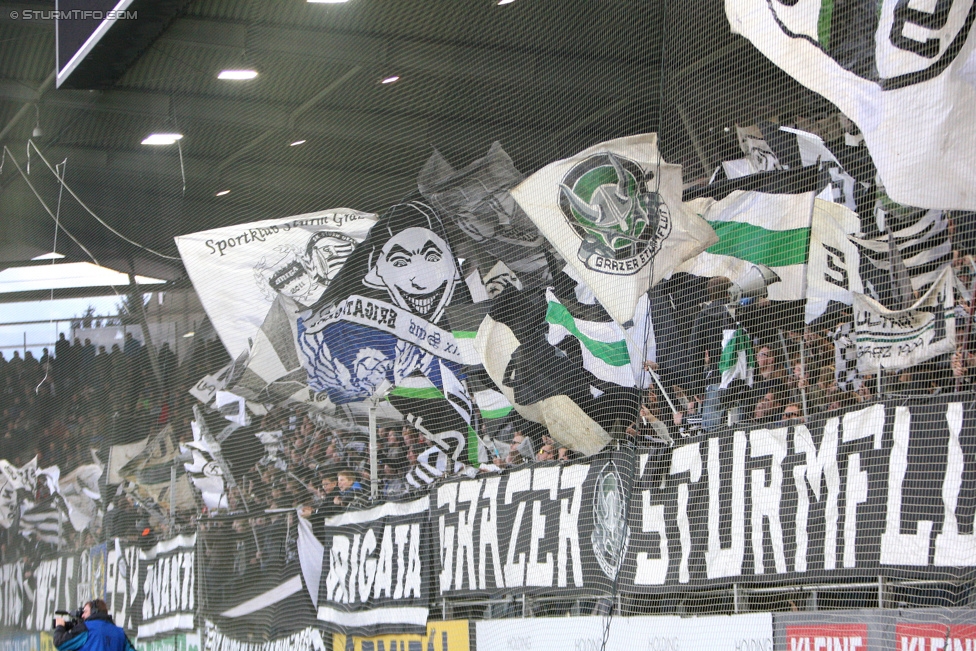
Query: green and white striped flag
[738,362]
[757,228]
[607,352]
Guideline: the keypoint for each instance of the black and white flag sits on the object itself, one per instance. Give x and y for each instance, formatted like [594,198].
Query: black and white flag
[903,75]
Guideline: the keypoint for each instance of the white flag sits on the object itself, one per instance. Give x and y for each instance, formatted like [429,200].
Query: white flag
[614,212]
[904,75]
[254,280]
[757,228]
[833,272]
[894,339]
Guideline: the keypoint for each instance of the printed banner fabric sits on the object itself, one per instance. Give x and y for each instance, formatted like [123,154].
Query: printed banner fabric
[542,530]
[614,213]
[375,573]
[894,339]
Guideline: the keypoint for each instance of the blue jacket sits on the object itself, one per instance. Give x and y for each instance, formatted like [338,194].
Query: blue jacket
[97,633]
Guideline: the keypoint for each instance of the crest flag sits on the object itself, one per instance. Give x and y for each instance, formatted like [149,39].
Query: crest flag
[614,213]
[254,279]
[903,76]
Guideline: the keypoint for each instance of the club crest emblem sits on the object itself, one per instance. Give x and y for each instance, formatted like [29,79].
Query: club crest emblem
[894,45]
[621,223]
[611,533]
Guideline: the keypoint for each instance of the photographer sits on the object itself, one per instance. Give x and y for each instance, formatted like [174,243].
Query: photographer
[90,630]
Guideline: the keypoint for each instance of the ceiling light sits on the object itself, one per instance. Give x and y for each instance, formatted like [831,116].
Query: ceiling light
[296,143]
[505,2]
[162,138]
[390,80]
[237,75]
[189,334]
[222,193]
[53,255]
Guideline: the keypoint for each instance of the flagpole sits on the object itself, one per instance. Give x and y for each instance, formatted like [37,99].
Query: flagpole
[803,367]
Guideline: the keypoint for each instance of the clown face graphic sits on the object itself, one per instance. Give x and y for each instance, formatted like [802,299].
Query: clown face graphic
[417,268]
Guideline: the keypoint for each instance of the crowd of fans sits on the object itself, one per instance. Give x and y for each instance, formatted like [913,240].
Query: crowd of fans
[76,402]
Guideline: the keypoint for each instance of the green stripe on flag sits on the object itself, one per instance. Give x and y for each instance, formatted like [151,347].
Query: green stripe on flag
[613,353]
[464,334]
[496,413]
[740,342]
[824,23]
[760,245]
[426,393]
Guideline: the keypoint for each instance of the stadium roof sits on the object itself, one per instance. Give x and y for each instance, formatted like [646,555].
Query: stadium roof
[546,78]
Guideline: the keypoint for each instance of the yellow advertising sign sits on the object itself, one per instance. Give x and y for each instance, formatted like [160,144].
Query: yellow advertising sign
[47,642]
[441,636]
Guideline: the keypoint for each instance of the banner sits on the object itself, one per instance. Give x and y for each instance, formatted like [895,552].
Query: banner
[749,632]
[169,587]
[375,575]
[902,75]
[181,642]
[24,642]
[894,339]
[307,639]
[837,498]
[546,529]
[440,636]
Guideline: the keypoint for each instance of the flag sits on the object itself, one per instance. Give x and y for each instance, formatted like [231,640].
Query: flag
[894,339]
[919,238]
[45,521]
[119,456]
[254,279]
[552,385]
[485,225]
[446,419]
[903,76]
[833,272]
[149,473]
[605,348]
[432,464]
[758,227]
[8,501]
[738,361]
[614,213]
[389,318]
[207,468]
[23,478]
[82,496]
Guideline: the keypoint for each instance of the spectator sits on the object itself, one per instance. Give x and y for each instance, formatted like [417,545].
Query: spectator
[351,492]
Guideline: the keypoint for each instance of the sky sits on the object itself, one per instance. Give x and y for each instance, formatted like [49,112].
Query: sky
[53,316]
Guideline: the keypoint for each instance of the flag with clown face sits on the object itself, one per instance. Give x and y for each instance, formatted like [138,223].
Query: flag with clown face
[385,318]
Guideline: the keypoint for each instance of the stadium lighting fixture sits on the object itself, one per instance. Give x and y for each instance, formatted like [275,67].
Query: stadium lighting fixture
[222,193]
[162,138]
[505,2]
[237,75]
[53,255]
[391,79]
[296,143]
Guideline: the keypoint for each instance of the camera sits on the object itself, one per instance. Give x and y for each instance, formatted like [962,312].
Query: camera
[69,617]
